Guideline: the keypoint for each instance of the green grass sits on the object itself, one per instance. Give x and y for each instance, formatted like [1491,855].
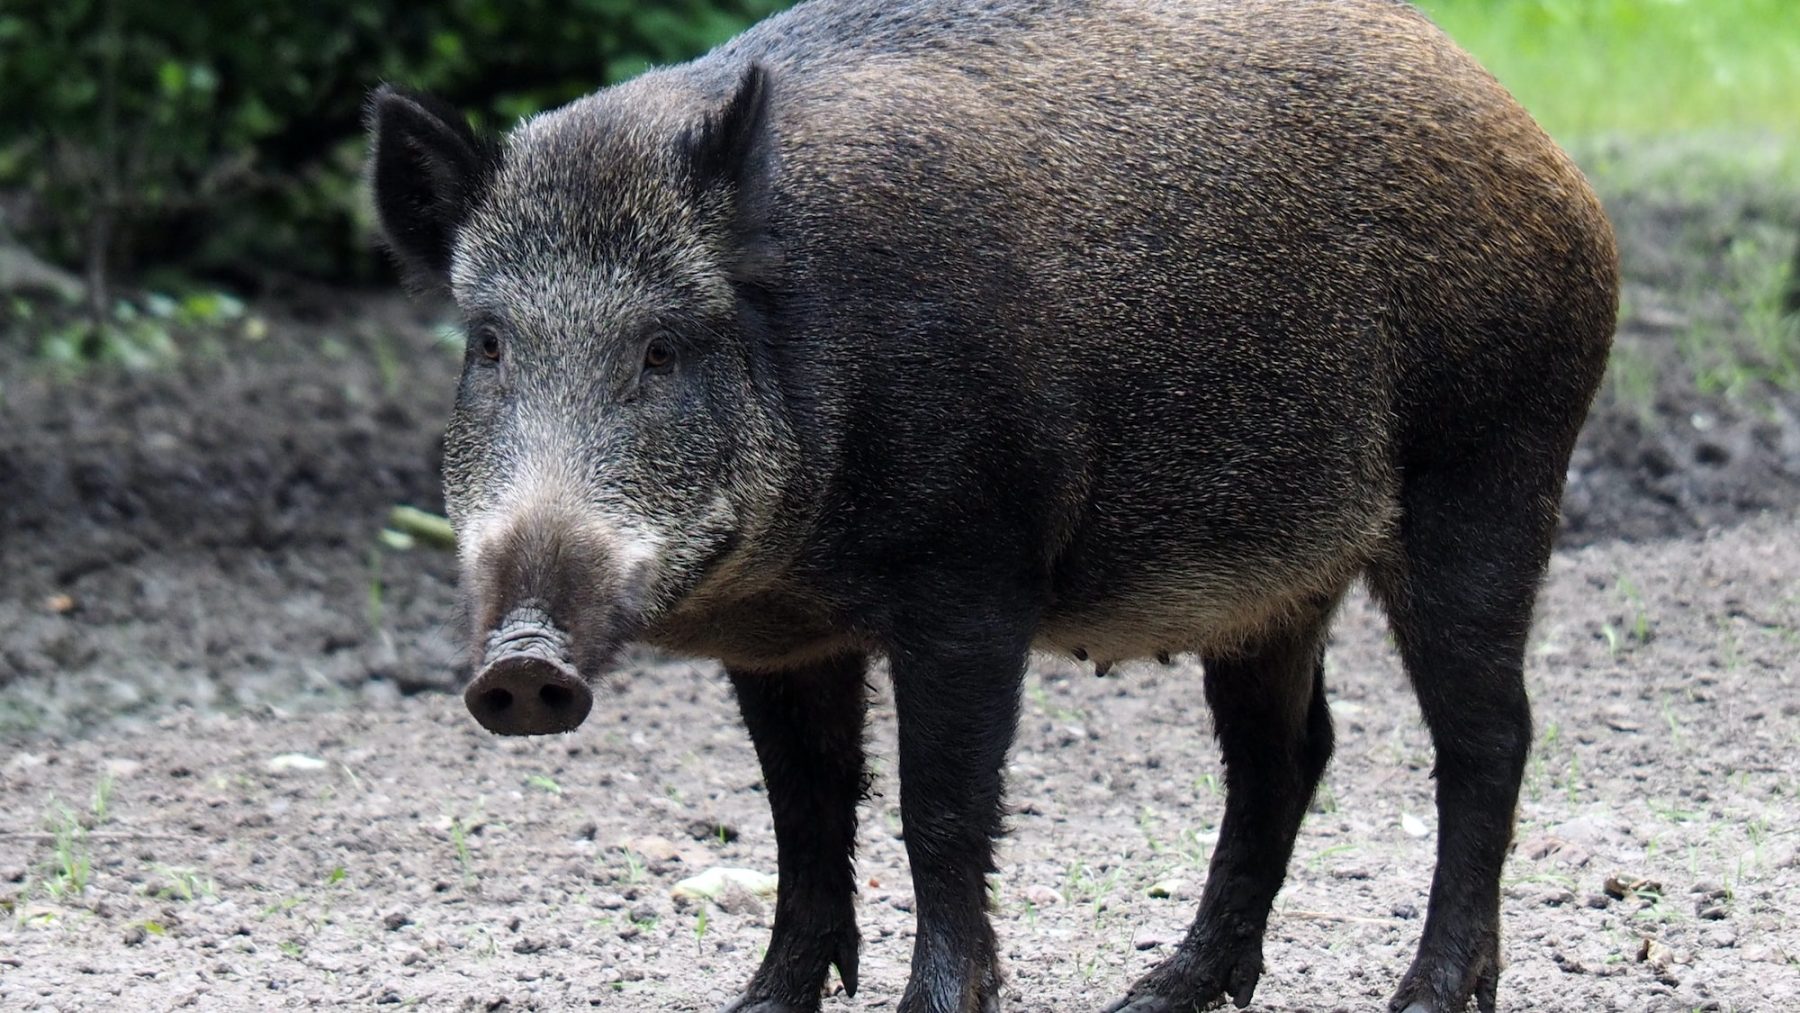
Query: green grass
[459,839]
[182,883]
[70,868]
[1639,67]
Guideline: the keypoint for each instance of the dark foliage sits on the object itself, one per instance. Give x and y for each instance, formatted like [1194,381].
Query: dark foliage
[223,139]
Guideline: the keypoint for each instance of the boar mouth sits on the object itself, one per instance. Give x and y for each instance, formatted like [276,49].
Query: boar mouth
[527,683]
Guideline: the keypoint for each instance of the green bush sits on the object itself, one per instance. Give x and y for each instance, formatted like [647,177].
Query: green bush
[223,138]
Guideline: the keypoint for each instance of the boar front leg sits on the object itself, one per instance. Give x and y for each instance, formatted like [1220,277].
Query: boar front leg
[958,707]
[807,726]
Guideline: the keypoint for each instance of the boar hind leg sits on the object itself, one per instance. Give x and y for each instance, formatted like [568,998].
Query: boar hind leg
[1274,729]
[957,708]
[808,729]
[1473,545]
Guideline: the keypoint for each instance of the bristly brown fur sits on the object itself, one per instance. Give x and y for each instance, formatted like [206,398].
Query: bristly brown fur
[943,330]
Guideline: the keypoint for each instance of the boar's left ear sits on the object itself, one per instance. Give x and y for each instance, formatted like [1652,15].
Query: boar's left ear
[428,171]
[719,149]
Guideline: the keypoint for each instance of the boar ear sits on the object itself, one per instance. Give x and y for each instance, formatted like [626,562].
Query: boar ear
[428,170]
[719,149]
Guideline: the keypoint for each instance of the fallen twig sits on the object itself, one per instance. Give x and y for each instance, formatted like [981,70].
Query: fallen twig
[425,526]
[92,835]
[1327,916]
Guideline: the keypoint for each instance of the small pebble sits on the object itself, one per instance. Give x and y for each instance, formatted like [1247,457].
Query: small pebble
[1555,897]
[712,831]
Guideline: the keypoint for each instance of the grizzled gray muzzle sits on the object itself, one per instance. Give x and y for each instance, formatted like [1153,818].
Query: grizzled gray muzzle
[551,602]
[528,683]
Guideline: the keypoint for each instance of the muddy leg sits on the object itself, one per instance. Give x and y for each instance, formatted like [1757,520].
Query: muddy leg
[958,709]
[808,729]
[1459,600]
[1274,729]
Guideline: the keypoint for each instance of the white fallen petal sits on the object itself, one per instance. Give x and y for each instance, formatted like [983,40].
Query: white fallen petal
[295,761]
[1413,825]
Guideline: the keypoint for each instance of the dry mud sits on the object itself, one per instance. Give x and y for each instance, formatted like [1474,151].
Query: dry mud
[426,862]
[200,629]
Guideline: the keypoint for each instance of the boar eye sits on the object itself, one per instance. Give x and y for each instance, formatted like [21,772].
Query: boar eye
[488,344]
[658,354]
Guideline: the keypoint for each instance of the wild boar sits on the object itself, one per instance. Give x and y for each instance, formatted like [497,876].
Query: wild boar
[942,331]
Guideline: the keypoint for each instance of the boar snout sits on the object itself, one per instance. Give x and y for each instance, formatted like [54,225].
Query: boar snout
[553,596]
[527,684]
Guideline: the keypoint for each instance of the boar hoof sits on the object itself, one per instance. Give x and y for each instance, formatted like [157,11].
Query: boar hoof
[746,1004]
[1163,1004]
[1447,990]
[1184,983]
[990,1003]
[986,999]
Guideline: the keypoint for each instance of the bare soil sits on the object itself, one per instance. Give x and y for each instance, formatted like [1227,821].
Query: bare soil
[230,779]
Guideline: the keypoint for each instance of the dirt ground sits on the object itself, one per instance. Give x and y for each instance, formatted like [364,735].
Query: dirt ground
[230,779]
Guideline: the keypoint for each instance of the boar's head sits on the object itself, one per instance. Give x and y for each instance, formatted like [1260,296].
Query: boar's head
[616,437]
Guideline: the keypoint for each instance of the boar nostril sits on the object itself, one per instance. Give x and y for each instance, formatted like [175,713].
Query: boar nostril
[528,692]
